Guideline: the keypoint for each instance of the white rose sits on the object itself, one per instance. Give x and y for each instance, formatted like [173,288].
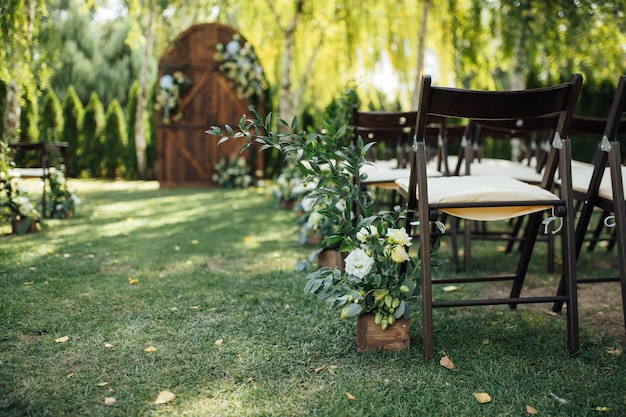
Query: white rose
[365,232]
[358,263]
[399,254]
[399,236]
[315,218]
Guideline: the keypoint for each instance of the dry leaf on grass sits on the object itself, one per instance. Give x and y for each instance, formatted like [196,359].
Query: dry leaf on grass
[62,339]
[350,396]
[482,397]
[446,362]
[109,400]
[450,288]
[219,342]
[531,410]
[601,409]
[164,397]
[320,369]
[102,384]
[108,346]
[615,351]
[150,349]
[133,281]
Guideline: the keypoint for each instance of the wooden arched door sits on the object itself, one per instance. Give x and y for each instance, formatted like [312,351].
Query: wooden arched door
[186,155]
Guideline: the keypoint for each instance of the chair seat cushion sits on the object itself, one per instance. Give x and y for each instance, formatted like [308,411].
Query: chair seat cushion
[581,177]
[29,172]
[468,189]
[494,166]
[386,172]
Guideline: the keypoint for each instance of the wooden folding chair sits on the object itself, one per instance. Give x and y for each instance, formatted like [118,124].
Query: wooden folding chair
[470,161]
[601,185]
[393,132]
[495,197]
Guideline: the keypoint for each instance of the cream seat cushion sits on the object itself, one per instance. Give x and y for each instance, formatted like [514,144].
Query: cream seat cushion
[493,166]
[483,189]
[581,176]
[28,172]
[386,172]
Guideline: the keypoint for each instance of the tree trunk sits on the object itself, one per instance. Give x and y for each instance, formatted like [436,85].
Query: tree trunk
[12,112]
[286,106]
[142,99]
[421,47]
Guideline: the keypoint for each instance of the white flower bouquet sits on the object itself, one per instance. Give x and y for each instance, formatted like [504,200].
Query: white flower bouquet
[378,276]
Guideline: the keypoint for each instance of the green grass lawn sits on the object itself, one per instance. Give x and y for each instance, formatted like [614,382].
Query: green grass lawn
[217,297]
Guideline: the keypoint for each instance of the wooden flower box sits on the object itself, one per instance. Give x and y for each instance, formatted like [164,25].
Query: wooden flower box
[370,337]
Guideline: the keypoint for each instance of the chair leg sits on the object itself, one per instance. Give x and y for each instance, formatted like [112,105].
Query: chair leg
[467,247]
[528,244]
[595,236]
[619,206]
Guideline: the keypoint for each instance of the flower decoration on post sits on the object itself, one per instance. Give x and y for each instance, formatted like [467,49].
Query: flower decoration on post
[232,172]
[63,202]
[240,65]
[171,90]
[18,208]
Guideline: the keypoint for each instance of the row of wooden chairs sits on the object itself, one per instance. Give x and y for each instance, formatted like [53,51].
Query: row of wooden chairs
[483,196]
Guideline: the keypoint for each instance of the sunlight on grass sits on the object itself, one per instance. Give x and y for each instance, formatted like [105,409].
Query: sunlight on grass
[180,269]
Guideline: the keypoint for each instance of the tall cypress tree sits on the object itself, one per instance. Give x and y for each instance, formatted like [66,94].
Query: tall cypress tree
[92,131]
[29,119]
[72,122]
[131,114]
[51,117]
[115,140]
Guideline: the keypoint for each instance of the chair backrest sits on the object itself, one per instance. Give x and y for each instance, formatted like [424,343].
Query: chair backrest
[533,130]
[390,129]
[490,106]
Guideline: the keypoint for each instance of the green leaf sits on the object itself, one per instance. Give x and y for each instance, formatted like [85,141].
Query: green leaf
[354,309]
[400,310]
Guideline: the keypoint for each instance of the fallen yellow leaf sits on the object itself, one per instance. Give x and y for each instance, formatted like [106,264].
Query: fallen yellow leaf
[164,397]
[108,346]
[71,374]
[67,255]
[219,342]
[247,239]
[601,409]
[102,384]
[194,308]
[531,410]
[62,339]
[616,351]
[446,362]
[194,242]
[133,281]
[482,397]
[109,400]
[350,396]
[150,349]
[29,282]
[320,369]
[450,288]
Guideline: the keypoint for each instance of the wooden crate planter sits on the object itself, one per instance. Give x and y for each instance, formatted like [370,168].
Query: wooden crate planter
[332,259]
[19,226]
[370,337]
